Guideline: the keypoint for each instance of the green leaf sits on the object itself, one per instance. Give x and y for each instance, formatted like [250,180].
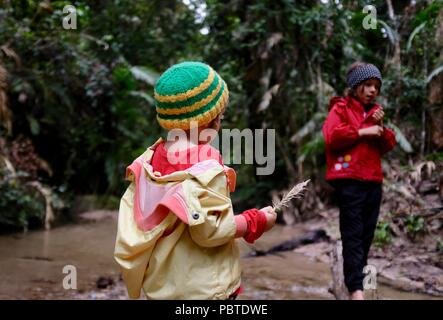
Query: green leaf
[34,126]
[310,127]
[144,74]
[434,73]
[392,34]
[413,34]
[401,139]
[312,148]
[143,95]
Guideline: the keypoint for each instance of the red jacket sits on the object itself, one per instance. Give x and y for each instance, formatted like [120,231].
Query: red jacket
[349,156]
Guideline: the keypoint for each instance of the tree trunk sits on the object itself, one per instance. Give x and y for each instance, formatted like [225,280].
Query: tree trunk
[435,93]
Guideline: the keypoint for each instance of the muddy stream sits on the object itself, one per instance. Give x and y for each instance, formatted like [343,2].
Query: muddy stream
[32,266]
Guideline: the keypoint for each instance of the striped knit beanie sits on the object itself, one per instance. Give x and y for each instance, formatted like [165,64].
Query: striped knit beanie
[189,91]
[363,73]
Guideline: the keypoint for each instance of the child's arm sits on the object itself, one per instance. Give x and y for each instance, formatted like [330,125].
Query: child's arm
[251,224]
[211,217]
[216,224]
[387,140]
[337,132]
[387,136]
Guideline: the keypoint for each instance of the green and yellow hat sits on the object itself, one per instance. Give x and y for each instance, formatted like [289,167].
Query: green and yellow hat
[189,91]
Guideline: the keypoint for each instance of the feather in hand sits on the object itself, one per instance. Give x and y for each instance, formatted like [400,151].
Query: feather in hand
[294,193]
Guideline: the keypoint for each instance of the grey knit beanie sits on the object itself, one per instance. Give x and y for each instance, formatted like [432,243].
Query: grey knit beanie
[362,73]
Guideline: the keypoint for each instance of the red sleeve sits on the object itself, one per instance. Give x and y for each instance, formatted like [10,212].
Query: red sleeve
[251,224]
[337,132]
[387,141]
[242,225]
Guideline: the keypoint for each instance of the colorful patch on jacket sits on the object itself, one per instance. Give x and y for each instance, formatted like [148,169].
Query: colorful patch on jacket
[343,165]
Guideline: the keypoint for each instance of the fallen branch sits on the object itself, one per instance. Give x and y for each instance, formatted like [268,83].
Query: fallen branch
[309,238]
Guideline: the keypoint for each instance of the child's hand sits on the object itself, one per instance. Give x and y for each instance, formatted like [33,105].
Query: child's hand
[271,216]
[374,131]
[378,115]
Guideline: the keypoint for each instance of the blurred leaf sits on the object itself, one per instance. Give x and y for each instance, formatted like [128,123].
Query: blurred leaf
[434,73]
[33,124]
[413,34]
[401,139]
[311,126]
[144,96]
[392,34]
[145,74]
[312,148]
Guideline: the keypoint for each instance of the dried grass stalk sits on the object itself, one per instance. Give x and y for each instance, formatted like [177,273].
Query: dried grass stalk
[295,193]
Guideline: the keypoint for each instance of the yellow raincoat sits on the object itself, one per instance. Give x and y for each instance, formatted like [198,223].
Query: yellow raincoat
[176,233]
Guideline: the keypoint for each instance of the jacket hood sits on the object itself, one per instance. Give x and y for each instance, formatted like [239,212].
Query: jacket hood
[335,100]
[156,195]
[352,102]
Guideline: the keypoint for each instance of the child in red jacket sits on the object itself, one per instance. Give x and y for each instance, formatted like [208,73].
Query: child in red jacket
[355,141]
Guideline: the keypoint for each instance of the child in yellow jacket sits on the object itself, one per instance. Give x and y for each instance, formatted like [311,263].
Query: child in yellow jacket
[177,231]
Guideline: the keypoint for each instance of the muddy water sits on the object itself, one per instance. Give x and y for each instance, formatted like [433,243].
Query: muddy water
[32,266]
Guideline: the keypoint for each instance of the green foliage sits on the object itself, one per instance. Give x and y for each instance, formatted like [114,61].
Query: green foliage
[434,73]
[428,13]
[413,34]
[383,234]
[312,148]
[145,74]
[84,96]
[19,204]
[76,92]
[415,225]
[439,246]
[401,139]
[435,156]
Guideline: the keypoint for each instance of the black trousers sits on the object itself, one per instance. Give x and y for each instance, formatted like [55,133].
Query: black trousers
[359,203]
